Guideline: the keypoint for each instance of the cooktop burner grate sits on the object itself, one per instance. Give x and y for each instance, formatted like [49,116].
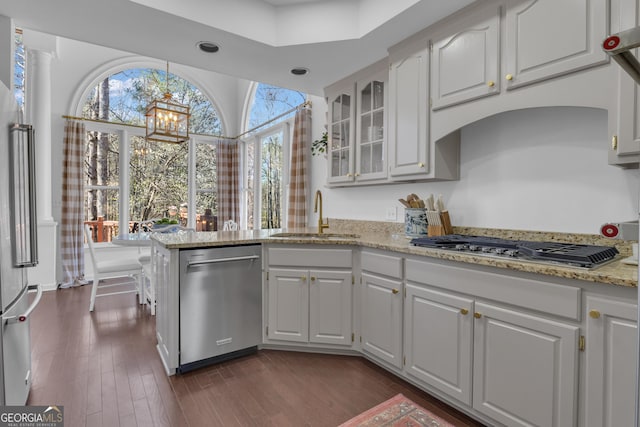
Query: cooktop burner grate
[566,252]
[585,256]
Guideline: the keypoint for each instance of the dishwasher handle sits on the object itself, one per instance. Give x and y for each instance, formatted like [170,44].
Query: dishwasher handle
[219,260]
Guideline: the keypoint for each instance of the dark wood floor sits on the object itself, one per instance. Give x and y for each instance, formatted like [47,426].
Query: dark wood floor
[103,367]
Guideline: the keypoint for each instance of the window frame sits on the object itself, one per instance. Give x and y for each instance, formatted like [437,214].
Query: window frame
[124,133]
[285,127]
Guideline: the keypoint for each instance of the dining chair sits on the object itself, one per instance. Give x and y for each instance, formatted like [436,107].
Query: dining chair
[146,284]
[111,268]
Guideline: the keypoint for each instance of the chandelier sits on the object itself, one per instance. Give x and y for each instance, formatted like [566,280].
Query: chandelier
[167,120]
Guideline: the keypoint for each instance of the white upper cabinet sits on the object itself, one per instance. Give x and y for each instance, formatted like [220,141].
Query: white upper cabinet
[371,124]
[466,62]
[409,114]
[625,128]
[548,38]
[341,125]
[357,126]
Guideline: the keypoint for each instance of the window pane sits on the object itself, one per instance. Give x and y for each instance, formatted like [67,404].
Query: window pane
[158,179]
[271,181]
[206,184]
[250,183]
[104,227]
[101,170]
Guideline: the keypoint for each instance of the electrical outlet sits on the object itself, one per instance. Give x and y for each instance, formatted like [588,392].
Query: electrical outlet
[391,214]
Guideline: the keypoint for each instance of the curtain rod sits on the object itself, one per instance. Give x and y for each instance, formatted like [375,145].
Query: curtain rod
[84,119]
[297,107]
[304,104]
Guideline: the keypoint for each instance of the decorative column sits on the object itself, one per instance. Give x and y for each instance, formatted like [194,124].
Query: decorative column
[41,49]
[38,108]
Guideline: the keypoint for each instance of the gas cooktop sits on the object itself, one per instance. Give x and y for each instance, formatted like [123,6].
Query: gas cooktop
[568,254]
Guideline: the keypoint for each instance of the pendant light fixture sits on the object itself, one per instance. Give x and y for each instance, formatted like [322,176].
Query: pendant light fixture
[167,120]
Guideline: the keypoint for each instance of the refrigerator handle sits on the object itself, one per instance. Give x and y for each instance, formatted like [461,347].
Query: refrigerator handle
[24,316]
[23,196]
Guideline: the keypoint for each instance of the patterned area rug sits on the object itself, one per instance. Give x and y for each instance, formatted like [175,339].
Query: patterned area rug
[396,412]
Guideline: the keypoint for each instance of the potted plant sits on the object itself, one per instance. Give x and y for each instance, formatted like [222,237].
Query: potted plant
[319,146]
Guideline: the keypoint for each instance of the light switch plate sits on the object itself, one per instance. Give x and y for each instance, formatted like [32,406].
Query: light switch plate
[391,214]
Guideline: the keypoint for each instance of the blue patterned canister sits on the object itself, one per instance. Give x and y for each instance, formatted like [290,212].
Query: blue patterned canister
[415,222]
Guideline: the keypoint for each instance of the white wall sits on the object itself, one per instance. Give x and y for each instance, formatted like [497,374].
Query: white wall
[537,169]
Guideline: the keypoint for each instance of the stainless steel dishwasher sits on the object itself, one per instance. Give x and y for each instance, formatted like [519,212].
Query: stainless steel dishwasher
[220,304]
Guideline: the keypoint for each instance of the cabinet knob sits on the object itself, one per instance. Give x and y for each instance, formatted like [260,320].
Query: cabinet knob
[420,165]
[357,174]
[313,278]
[509,77]
[349,174]
[491,83]
[594,314]
[394,291]
[477,315]
[464,311]
[614,142]
[303,278]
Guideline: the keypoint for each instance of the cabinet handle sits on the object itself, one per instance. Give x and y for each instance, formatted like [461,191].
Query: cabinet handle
[614,142]
[594,314]
[509,77]
[464,311]
[477,315]
[313,278]
[420,165]
[394,291]
[491,83]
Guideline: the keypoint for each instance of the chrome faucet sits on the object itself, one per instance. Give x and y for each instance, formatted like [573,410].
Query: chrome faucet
[321,225]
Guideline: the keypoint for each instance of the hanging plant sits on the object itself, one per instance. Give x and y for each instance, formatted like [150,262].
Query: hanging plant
[319,146]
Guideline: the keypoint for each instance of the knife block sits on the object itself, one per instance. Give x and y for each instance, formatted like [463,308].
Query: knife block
[443,228]
[446,222]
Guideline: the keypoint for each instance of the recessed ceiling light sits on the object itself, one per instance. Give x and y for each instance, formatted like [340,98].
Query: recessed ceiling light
[208,47]
[299,71]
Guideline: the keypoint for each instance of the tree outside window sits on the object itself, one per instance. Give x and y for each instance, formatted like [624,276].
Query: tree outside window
[158,172]
[266,190]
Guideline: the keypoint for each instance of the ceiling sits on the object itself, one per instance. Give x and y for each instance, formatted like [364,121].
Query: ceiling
[259,40]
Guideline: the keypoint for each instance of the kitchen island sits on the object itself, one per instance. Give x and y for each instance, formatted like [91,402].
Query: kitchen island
[465,328]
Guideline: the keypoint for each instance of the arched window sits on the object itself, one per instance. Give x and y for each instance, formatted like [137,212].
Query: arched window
[268,154]
[131,181]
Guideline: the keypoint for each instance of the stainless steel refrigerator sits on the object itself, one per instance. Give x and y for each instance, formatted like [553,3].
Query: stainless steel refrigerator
[18,251]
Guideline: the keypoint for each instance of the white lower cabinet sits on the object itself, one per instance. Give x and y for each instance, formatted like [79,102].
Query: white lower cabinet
[381,306]
[288,305]
[525,368]
[610,362]
[309,305]
[439,340]
[381,316]
[473,336]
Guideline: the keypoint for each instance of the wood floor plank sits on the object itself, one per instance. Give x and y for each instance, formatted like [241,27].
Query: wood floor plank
[103,367]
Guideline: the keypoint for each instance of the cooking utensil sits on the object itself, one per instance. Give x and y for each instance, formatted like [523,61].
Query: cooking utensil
[404,203]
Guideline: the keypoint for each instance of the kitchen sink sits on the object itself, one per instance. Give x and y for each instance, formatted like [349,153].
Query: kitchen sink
[321,236]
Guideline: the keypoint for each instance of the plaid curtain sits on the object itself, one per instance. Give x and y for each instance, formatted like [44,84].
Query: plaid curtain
[297,214]
[71,233]
[228,170]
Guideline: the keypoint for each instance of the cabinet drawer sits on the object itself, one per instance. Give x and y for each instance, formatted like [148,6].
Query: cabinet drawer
[532,294]
[308,257]
[382,264]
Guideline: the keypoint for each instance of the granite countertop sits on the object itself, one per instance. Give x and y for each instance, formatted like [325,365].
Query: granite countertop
[614,273]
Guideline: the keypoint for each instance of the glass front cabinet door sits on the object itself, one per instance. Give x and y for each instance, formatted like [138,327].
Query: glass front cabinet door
[370,134]
[341,137]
